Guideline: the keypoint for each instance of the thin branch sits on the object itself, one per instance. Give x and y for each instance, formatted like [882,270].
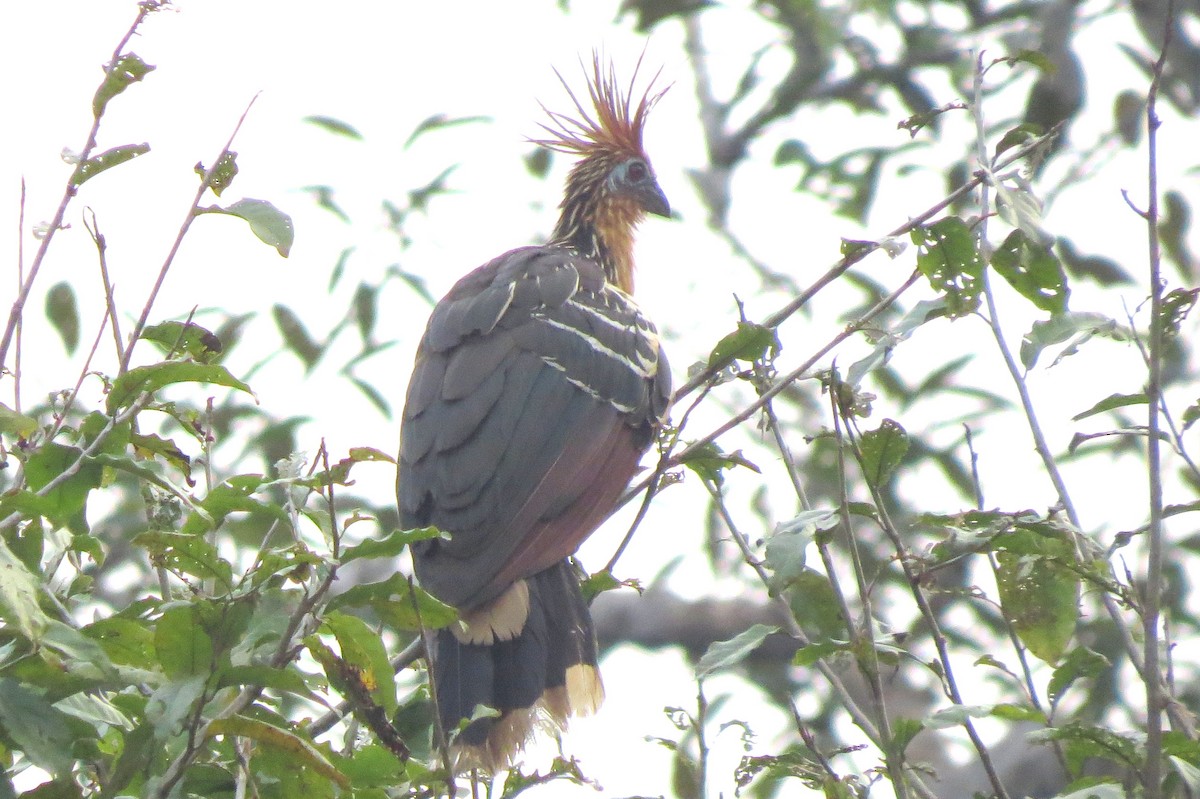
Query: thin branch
[18,307]
[863,648]
[205,182]
[1152,600]
[93,229]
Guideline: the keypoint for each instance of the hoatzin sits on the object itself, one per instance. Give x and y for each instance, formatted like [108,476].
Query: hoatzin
[537,388]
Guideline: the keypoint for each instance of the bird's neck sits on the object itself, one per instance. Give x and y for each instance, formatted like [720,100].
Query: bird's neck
[604,233]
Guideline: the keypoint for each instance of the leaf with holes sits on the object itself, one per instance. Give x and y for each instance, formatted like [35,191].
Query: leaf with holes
[86,170]
[1033,270]
[127,70]
[1039,590]
[950,261]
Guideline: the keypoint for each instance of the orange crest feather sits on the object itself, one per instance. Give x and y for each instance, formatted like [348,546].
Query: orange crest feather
[615,125]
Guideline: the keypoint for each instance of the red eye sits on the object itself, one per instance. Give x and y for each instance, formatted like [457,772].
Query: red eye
[636,172]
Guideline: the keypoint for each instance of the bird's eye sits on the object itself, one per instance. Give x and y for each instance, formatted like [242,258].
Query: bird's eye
[636,172]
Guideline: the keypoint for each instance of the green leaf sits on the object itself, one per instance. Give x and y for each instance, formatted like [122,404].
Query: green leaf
[186,554]
[86,170]
[1080,662]
[182,643]
[296,336]
[127,387]
[786,556]
[724,654]
[815,605]
[372,766]
[1039,590]
[335,126]
[949,259]
[267,222]
[19,591]
[1188,774]
[710,462]
[1033,270]
[362,648]
[285,680]
[1175,307]
[810,654]
[394,601]
[300,751]
[127,70]
[438,122]
[67,499]
[390,545]
[16,424]
[152,446]
[1015,137]
[1060,327]
[882,450]
[1083,741]
[36,727]
[185,338]
[124,641]
[1191,414]
[1111,402]
[63,313]
[172,703]
[232,496]
[750,342]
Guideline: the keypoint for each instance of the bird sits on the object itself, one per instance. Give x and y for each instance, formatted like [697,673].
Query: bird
[538,386]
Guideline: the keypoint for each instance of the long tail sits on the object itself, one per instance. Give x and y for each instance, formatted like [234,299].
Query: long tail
[529,655]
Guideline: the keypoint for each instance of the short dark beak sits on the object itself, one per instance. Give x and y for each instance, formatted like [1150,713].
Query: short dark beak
[652,199]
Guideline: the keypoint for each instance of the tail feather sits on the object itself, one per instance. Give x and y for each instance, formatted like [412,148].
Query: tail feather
[535,680]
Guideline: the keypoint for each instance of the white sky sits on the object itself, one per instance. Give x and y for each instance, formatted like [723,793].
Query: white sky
[383,67]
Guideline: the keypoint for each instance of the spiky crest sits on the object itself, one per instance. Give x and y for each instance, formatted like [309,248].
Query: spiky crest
[593,221]
[613,127]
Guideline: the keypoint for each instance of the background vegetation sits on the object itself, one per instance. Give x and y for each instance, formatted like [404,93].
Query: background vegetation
[928,499]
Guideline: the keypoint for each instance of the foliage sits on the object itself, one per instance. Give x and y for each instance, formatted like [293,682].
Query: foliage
[901,601]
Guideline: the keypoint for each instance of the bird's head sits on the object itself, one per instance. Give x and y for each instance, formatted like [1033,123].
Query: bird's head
[612,186]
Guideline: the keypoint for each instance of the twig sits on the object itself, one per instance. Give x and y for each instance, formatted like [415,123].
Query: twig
[93,229]
[20,282]
[863,638]
[205,182]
